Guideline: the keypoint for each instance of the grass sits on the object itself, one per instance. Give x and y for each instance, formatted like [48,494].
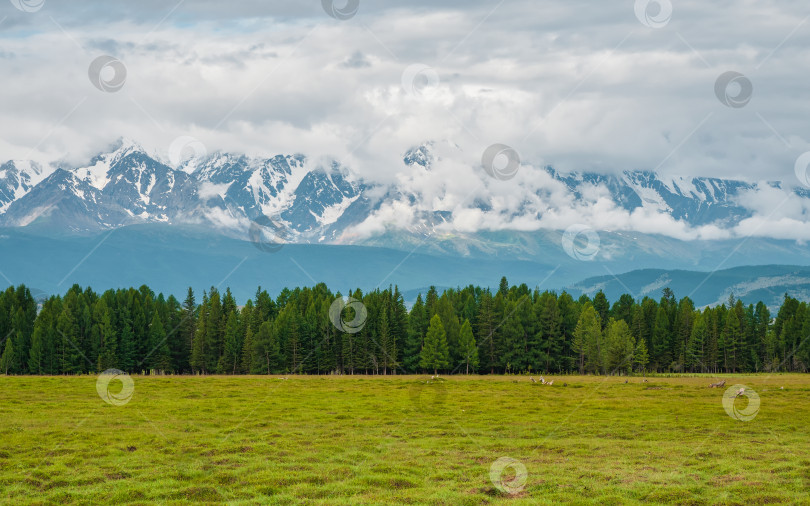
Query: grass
[402,439]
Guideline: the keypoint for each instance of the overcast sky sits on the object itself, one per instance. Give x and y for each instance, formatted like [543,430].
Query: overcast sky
[689,88]
[576,85]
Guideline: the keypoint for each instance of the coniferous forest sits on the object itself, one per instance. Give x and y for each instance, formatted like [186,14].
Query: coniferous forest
[469,330]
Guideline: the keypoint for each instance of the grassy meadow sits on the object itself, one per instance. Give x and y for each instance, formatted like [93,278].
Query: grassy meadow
[403,439]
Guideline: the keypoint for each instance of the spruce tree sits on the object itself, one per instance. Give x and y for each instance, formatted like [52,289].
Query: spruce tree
[8,358]
[108,352]
[70,355]
[641,357]
[386,342]
[398,325]
[417,322]
[587,335]
[36,356]
[215,330]
[731,338]
[161,359]
[450,323]
[231,356]
[511,340]
[503,287]
[695,347]
[266,348]
[661,338]
[248,352]
[620,346]
[435,354]
[487,340]
[569,315]
[199,350]
[467,348]
[550,326]
[602,307]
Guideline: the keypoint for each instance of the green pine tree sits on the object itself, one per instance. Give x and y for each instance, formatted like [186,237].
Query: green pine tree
[641,356]
[620,347]
[487,335]
[108,351]
[587,335]
[8,358]
[231,356]
[417,323]
[386,341]
[467,347]
[662,339]
[36,355]
[161,358]
[248,351]
[695,347]
[435,354]
[268,350]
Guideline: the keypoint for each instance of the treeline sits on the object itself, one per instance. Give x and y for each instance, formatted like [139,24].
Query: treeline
[470,330]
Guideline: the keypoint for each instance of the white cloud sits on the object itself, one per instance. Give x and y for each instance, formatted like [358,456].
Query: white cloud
[574,85]
[208,190]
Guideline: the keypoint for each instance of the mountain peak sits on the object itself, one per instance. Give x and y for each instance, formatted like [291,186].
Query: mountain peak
[18,177]
[117,151]
[125,145]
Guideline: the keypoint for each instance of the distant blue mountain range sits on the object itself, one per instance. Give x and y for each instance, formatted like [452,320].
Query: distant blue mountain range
[171,258]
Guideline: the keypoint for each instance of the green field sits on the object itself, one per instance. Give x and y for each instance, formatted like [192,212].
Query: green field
[402,439]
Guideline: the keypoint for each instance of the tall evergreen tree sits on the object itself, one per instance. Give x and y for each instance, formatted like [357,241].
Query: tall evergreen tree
[232,350]
[70,355]
[487,340]
[388,349]
[730,338]
[36,355]
[602,307]
[248,352]
[161,359]
[587,336]
[696,345]
[268,349]
[503,287]
[108,349]
[417,326]
[641,357]
[467,348]
[181,328]
[662,340]
[434,352]
[620,346]
[9,358]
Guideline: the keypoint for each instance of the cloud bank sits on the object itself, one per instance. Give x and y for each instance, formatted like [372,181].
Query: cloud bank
[574,85]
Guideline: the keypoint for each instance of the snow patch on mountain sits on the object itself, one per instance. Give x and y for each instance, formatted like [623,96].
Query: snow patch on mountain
[332,213]
[17,178]
[656,285]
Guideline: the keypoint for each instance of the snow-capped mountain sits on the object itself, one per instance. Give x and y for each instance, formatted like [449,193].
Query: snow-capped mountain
[18,177]
[698,201]
[123,187]
[317,202]
[308,200]
[128,186]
